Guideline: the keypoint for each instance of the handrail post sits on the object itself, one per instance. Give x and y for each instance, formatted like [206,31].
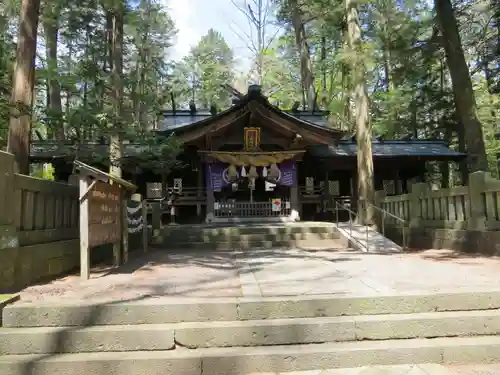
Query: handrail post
[350,222]
[337,212]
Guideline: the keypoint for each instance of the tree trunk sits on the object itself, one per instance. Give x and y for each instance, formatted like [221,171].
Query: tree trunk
[465,100]
[23,85]
[306,70]
[366,191]
[323,73]
[115,144]
[51,27]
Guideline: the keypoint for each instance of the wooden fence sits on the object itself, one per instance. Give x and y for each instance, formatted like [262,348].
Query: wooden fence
[48,211]
[472,207]
[38,227]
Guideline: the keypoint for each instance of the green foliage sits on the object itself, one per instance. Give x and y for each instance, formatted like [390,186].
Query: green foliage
[158,155]
[44,171]
[408,80]
[200,75]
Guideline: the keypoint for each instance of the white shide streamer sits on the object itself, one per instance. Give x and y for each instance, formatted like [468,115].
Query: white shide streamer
[134,210]
[135,225]
[136,229]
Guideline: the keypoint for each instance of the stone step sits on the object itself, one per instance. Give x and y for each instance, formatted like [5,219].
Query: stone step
[249,333]
[409,369]
[232,229]
[172,310]
[249,238]
[255,244]
[241,361]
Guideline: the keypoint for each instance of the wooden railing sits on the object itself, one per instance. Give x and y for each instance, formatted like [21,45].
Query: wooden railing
[397,205]
[476,206]
[316,190]
[491,203]
[192,193]
[250,209]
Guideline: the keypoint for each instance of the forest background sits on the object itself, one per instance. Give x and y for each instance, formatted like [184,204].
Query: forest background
[103,69]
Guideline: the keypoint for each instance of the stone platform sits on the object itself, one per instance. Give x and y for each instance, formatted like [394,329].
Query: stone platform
[315,270]
[260,311]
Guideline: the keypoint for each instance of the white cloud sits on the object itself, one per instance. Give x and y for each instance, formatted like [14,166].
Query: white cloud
[183,14]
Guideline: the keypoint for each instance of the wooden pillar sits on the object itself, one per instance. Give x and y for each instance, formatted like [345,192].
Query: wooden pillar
[84,230]
[326,194]
[294,203]
[294,198]
[199,190]
[395,177]
[145,228]
[210,197]
[117,247]
[124,227]
[210,206]
[156,208]
[354,189]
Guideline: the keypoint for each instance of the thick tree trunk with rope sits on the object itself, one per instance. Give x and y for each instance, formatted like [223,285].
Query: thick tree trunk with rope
[18,142]
[366,193]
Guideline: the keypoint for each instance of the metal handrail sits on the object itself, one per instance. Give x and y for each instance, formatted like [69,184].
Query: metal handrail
[351,212]
[387,212]
[339,206]
[399,219]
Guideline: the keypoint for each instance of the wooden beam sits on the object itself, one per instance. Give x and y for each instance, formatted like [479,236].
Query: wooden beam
[214,127]
[221,141]
[290,126]
[295,129]
[84,230]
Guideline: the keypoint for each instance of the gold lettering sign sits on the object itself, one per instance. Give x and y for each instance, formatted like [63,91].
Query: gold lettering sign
[252,139]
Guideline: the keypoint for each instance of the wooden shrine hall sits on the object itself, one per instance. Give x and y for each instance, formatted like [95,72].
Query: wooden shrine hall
[256,162]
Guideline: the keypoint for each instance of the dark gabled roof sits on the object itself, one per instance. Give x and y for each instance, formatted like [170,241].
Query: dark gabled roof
[185,121]
[390,148]
[319,118]
[178,119]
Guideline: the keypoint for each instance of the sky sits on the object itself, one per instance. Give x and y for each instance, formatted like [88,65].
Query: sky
[193,18]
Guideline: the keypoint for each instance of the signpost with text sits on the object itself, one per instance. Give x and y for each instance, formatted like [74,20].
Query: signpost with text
[103,214]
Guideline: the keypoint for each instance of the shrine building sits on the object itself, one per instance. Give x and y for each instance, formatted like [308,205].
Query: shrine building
[256,162]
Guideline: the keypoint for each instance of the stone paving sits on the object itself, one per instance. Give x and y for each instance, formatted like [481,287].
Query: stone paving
[282,272]
[493,369]
[420,369]
[274,273]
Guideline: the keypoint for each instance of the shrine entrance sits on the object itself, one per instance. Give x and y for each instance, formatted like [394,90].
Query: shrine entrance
[251,185]
[258,198]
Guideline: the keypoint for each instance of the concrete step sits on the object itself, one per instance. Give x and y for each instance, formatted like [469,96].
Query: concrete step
[171,310]
[249,333]
[239,361]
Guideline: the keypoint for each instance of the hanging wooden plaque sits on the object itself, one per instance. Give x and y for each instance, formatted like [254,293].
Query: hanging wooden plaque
[252,139]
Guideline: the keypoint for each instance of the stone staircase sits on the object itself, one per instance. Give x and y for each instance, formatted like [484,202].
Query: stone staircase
[251,236]
[228,336]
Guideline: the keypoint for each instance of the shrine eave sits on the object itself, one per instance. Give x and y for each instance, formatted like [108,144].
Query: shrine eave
[422,149]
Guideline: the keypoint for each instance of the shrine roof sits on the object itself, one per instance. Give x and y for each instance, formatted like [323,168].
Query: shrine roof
[253,103]
[179,119]
[391,148]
